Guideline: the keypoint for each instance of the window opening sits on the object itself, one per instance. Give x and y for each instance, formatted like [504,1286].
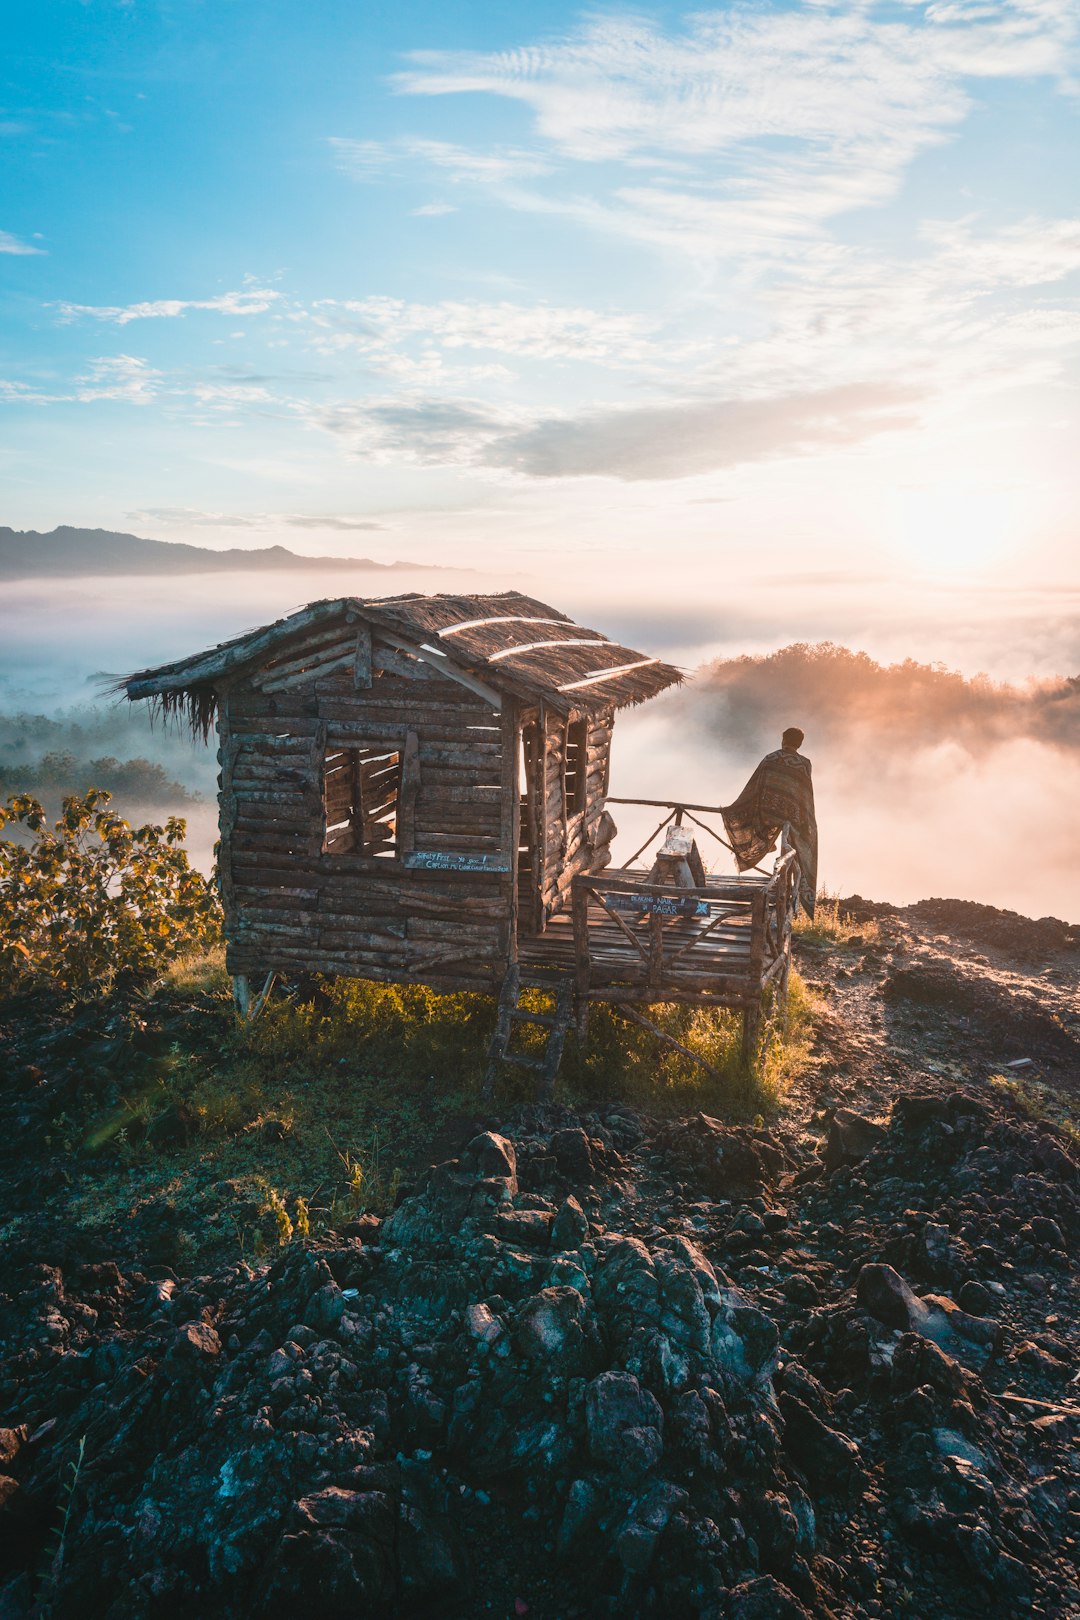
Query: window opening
[577,765]
[361,796]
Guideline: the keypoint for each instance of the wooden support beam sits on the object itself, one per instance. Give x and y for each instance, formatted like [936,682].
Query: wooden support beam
[666,1039]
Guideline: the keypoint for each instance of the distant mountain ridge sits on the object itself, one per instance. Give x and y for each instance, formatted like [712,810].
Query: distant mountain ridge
[68,552]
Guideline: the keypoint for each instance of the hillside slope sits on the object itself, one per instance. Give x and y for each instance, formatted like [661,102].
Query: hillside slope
[603,1361]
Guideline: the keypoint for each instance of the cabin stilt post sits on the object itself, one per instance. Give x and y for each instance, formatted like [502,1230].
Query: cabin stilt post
[248,1007]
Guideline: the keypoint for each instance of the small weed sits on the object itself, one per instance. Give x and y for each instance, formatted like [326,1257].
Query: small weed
[831,926]
[368,1185]
[279,1217]
[1036,1100]
[57,1541]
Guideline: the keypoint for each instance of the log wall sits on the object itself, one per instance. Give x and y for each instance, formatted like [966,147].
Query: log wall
[407,914]
[572,844]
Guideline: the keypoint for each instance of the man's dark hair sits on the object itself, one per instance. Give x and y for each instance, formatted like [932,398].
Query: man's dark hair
[793,737]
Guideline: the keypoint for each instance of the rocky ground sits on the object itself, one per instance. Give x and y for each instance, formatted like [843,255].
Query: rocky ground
[612,1364]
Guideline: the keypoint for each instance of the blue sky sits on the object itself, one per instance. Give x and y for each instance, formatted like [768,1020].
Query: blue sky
[759,288]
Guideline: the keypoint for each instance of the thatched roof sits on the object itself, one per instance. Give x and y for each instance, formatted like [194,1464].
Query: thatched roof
[505,643]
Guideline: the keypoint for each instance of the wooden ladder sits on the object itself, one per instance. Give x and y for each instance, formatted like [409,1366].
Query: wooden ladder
[544,1064]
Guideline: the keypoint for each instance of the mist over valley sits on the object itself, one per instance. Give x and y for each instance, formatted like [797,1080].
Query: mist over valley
[928,780]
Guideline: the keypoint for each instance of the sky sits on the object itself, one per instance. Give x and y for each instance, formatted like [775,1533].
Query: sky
[678,300]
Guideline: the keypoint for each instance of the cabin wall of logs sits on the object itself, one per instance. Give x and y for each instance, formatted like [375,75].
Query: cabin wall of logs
[408,784]
[380,820]
[565,827]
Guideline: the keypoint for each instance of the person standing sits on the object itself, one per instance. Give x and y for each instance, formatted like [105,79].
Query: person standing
[781,791]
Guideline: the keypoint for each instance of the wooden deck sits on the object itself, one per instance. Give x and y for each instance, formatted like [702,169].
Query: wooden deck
[627,940]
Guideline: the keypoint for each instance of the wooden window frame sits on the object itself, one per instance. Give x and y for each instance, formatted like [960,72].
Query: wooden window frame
[367,761]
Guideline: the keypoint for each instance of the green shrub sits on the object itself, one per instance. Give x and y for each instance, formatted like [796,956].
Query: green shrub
[92,896]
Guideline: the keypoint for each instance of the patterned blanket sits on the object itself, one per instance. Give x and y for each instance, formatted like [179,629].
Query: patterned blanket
[780,790]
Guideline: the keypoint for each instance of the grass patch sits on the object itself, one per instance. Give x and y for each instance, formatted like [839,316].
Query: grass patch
[625,1062]
[226,1138]
[831,926]
[1037,1100]
[199,972]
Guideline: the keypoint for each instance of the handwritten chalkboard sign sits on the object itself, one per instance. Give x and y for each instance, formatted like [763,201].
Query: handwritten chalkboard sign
[660,905]
[446,860]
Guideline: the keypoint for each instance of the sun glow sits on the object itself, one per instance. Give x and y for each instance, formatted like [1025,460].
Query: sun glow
[946,527]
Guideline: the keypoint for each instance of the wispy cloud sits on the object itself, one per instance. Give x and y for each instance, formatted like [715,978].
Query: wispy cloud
[189,517]
[370,160]
[379,325]
[427,432]
[770,122]
[14,244]
[247,301]
[685,440]
[662,441]
[120,377]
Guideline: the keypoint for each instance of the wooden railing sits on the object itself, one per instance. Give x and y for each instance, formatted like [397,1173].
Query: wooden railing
[747,921]
[677,815]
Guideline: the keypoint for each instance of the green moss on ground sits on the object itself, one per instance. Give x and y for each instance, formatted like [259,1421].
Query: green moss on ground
[216,1138]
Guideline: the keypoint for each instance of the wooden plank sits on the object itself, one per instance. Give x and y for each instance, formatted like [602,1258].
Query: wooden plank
[435,928]
[390,937]
[582,946]
[461,843]
[445,667]
[220,661]
[387,660]
[308,673]
[740,889]
[411,706]
[283,734]
[409,794]
[362,671]
[476,756]
[247,794]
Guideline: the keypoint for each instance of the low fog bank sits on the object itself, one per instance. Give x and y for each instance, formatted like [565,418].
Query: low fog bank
[76,748]
[66,641]
[927,782]
[849,699]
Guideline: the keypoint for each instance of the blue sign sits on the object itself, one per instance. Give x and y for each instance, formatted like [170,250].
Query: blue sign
[660,905]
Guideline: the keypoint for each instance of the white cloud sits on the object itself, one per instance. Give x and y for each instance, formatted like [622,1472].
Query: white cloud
[216,393]
[369,160]
[433,209]
[776,120]
[1025,254]
[121,377]
[630,443]
[19,393]
[687,439]
[377,324]
[13,244]
[424,431]
[248,301]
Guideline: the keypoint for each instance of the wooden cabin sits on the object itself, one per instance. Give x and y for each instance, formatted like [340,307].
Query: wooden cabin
[414,789]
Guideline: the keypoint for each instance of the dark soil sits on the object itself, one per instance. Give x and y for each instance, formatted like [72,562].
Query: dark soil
[605,1363]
